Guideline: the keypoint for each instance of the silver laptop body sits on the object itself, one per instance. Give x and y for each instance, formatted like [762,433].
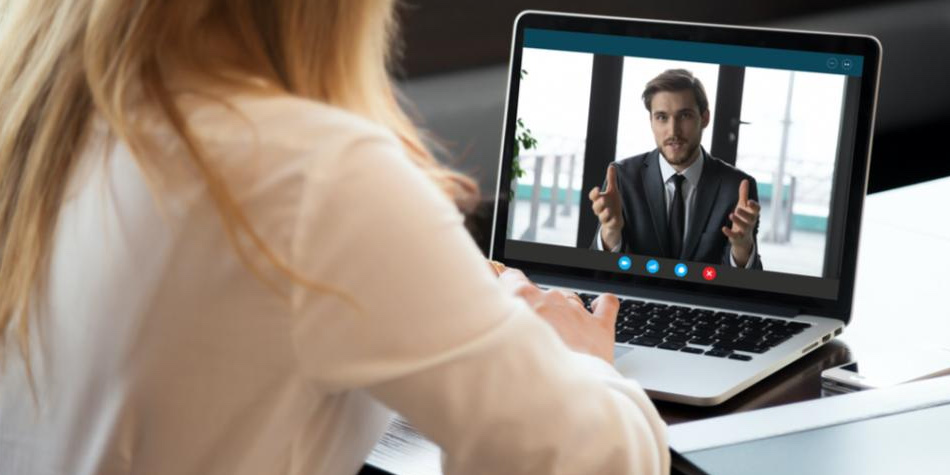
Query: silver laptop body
[801,307]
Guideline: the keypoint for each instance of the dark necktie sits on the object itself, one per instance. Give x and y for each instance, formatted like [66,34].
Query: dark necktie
[677,218]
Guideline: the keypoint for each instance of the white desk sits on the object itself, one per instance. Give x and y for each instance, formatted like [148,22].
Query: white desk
[903,277]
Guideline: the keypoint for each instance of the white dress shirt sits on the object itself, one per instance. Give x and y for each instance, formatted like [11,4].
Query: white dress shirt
[159,352]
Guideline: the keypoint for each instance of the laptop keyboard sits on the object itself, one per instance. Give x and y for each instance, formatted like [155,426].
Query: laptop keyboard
[699,331]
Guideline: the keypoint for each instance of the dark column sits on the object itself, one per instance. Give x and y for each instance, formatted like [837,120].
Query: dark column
[841,183]
[601,145]
[727,109]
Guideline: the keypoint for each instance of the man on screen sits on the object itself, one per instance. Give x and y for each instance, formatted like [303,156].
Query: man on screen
[678,201]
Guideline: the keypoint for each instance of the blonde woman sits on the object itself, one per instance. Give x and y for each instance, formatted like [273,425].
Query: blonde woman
[224,250]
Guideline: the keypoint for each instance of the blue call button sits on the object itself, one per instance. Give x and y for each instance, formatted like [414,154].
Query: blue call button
[680,270]
[624,263]
[653,266]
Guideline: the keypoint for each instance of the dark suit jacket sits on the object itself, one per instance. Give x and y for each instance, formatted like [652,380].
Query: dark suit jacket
[646,230]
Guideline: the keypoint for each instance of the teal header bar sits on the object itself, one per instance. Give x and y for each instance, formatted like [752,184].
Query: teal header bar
[749,56]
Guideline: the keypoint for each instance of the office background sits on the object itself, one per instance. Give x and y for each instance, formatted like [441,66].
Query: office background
[453,68]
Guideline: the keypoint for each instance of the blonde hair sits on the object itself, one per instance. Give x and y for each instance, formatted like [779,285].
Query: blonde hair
[63,60]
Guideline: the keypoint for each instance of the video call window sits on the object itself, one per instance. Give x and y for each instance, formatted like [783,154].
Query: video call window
[786,138]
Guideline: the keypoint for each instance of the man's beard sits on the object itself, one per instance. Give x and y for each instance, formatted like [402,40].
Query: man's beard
[684,160]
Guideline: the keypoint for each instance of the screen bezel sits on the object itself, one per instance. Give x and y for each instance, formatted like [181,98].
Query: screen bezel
[866,46]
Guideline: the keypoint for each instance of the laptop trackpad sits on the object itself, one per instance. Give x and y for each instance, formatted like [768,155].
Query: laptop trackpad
[620,350]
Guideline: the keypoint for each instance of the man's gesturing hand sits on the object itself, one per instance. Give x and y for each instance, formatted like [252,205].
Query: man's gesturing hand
[744,219]
[606,206]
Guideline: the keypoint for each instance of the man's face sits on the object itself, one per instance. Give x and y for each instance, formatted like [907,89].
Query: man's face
[677,125]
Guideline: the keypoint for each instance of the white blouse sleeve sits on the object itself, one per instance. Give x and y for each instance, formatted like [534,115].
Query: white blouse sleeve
[436,338]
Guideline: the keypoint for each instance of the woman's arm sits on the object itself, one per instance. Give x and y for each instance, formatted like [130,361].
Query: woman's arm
[440,340]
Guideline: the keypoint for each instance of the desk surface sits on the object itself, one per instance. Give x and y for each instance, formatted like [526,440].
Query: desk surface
[903,271]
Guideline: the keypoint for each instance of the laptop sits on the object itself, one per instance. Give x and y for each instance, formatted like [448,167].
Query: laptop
[747,264]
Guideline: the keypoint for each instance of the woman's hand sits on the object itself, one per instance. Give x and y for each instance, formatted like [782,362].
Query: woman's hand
[583,331]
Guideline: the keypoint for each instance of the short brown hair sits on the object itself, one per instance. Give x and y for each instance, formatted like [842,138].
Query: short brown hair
[674,80]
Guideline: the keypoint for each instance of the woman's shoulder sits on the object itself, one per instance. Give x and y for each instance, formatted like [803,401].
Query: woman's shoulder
[281,122]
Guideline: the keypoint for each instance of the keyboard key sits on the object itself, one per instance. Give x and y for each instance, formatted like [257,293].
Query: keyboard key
[727,334]
[637,322]
[677,337]
[702,341]
[717,352]
[654,334]
[702,334]
[736,356]
[645,341]
[627,335]
[692,349]
[797,327]
[671,345]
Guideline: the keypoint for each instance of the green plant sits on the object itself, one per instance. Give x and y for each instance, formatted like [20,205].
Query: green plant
[523,141]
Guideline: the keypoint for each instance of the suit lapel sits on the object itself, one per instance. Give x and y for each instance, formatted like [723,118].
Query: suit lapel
[706,193]
[656,198]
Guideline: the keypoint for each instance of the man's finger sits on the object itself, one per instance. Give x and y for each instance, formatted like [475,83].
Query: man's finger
[746,214]
[744,192]
[611,180]
[748,211]
[742,222]
[730,234]
[606,306]
[598,206]
[594,193]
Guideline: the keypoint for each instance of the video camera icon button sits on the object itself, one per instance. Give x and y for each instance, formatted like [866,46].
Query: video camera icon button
[624,263]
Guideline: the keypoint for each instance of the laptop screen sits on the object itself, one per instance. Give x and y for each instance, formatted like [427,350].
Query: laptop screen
[715,159]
